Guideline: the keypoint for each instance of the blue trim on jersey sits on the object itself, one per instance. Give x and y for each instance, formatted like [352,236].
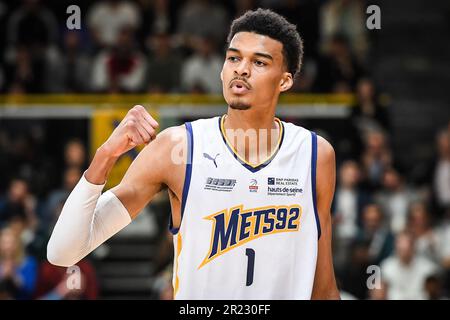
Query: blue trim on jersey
[188,174]
[246,165]
[313,179]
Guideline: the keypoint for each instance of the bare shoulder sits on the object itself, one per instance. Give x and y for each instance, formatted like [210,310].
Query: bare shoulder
[168,152]
[171,136]
[159,164]
[168,142]
[162,156]
[326,174]
[325,151]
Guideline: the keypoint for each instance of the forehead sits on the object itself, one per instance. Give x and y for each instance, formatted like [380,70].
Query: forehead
[249,43]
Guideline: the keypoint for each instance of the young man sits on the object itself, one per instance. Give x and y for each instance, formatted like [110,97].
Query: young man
[247,225]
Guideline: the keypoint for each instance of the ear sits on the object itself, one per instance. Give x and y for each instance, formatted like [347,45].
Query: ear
[286,82]
[221,75]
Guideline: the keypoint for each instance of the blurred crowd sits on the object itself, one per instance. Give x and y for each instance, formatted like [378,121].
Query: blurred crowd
[384,217]
[162,46]
[381,215]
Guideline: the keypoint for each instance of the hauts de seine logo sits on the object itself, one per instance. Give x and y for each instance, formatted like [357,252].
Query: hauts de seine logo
[253,187]
[283,187]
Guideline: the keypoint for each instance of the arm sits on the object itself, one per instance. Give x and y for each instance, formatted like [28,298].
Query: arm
[89,218]
[324,282]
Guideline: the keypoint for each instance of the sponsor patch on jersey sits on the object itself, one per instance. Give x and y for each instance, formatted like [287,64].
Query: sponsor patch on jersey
[283,187]
[219,184]
[253,187]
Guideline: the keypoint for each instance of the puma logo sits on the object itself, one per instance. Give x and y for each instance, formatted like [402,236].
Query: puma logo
[207,156]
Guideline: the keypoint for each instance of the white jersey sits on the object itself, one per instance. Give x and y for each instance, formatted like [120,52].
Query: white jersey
[247,232]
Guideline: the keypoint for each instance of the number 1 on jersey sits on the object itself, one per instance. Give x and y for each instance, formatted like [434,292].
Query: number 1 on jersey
[250,253]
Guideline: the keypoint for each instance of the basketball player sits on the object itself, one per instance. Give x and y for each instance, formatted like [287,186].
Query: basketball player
[245,226]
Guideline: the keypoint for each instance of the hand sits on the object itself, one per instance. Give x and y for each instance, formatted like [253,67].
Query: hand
[138,127]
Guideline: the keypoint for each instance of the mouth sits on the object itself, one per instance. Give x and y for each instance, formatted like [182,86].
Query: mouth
[239,87]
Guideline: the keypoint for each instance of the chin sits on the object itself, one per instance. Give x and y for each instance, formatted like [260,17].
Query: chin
[239,104]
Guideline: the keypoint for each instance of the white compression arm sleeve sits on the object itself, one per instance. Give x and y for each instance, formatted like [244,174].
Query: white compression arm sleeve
[88,219]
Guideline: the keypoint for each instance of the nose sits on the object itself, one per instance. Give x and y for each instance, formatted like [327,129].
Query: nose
[243,69]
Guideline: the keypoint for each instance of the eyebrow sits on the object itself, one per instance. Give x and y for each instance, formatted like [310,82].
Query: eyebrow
[264,55]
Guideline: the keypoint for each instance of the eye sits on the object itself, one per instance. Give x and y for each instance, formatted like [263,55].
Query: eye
[259,63]
[232,58]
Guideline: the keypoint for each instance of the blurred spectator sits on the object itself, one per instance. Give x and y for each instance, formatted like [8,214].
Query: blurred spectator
[52,280]
[75,154]
[305,15]
[202,18]
[32,25]
[345,68]
[3,20]
[17,269]
[201,72]
[368,113]
[420,227]
[443,237]
[376,158]
[375,233]
[159,17]
[346,17]
[395,198]
[2,79]
[53,283]
[18,203]
[23,154]
[349,201]
[71,177]
[378,293]
[164,66]
[121,69]
[163,286]
[4,157]
[70,67]
[433,288]
[32,32]
[107,18]
[354,276]
[24,72]
[441,183]
[405,272]
[338,70]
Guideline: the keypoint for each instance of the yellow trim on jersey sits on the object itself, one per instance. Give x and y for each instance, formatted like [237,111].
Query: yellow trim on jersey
[177,279]
[230,145]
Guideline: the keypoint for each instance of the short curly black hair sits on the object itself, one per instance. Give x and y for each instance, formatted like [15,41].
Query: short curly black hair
[268,23]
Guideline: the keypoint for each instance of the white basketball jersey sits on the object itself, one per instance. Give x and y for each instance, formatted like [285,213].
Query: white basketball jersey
[247,232]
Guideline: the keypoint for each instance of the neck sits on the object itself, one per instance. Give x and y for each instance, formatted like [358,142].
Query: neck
[260,133]
[250,119]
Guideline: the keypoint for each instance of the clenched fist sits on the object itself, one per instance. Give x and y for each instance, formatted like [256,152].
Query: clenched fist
[138,127]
